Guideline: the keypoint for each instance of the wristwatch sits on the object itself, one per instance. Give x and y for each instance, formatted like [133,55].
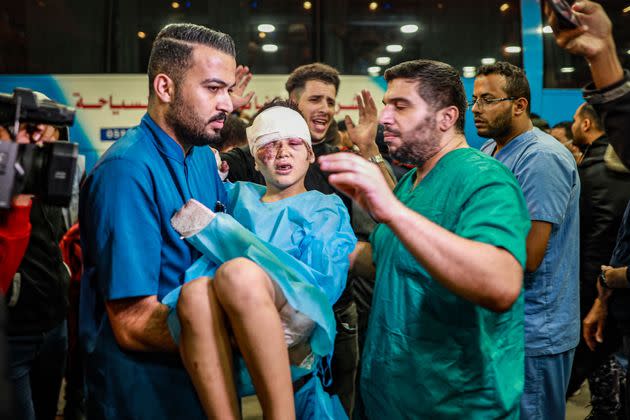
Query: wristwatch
[602,280]
[376,159]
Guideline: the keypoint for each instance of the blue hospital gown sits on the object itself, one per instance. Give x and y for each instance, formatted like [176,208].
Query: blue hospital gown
[302,242]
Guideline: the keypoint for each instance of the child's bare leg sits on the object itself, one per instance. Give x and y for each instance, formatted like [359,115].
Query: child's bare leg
[205,349]
[247,295]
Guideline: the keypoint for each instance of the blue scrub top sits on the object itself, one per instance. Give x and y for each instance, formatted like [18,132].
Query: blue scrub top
[131,250]
[548,175]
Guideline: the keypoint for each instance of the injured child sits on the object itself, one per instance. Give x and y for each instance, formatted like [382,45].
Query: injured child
[258,315]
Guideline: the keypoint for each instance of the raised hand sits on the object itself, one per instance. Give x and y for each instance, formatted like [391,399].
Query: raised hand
[593,37]
[363,134]
[239,98]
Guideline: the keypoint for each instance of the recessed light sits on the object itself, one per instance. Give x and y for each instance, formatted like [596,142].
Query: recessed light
[270,48]
[504,7]
[409,29]
[373,6]
[374,69]
[266,27]
[567,69]
[142,35]
[513,49]
[394,48]
[487,61]
[307,5]
[383,61]
[175,5]
[547,30]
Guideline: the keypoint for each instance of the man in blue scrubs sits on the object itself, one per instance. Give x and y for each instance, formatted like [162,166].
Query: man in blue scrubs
[132,255]
[548,175]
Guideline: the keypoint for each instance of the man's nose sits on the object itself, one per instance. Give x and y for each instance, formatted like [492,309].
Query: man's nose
[224,103]
[386,116]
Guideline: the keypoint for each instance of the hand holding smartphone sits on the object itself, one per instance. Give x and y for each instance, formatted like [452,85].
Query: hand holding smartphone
[565,17]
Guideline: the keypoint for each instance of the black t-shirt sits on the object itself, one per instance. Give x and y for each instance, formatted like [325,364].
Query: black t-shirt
[241,163]
[42,287]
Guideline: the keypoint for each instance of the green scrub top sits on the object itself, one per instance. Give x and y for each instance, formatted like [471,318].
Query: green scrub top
[430,353]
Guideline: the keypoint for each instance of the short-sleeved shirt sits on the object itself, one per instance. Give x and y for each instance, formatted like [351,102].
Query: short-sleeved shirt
[430,353]
[131,250]
[548,175]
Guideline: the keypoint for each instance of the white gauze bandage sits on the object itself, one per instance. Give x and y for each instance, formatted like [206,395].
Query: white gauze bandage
[277,123]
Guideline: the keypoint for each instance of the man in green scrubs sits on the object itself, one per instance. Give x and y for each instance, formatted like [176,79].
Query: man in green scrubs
[445,336]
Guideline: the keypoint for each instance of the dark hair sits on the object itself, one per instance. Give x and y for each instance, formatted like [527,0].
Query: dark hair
[233,133]
[440,85]
[541,123]
[173,46]
[516,83]
[566,126]
[587,111]
[287,103]
[315,71]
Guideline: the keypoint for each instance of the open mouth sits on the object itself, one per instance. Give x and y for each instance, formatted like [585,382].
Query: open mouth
[320,123]
[283,168]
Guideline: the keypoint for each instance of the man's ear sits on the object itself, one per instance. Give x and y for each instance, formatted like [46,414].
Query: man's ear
[587,124]
[520,106]
[447,117]
[164,88]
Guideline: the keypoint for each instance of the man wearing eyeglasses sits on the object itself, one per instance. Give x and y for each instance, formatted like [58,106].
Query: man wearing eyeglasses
[549,178]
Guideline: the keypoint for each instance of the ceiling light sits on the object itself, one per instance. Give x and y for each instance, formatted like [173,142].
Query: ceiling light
[567,69]
[142,35]
[270,48]
[469,69]
[504,7]
[469,74]
[513,49]
[175,5]
[409,29]
[383,61]
[374,69]
[307,5]
[628,52]
[373,6]
[547,30]
[394,48]
[266,27]
[262,35]
[487,61]
[626,9]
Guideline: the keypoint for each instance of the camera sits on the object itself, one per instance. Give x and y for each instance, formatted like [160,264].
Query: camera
[47,170]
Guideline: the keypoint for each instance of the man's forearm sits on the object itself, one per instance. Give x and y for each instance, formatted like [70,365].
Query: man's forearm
[478,272]
[605,67]
[140,324]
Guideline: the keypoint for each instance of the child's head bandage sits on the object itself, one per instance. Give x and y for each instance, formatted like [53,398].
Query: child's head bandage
[277,123]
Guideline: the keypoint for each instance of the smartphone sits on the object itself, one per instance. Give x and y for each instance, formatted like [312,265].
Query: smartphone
[564,14]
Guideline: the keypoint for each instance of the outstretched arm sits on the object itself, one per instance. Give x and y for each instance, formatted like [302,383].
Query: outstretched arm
[461,265]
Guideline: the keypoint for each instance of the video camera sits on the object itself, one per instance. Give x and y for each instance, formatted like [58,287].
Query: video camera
[46,170]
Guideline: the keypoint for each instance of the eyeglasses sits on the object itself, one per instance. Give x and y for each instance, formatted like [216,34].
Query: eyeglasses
[483,102]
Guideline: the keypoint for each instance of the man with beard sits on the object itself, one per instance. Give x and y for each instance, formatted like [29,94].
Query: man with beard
[132,255]
[548,175]
[445,336]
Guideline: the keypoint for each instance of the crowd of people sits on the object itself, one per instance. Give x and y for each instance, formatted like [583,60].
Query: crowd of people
[362,269]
